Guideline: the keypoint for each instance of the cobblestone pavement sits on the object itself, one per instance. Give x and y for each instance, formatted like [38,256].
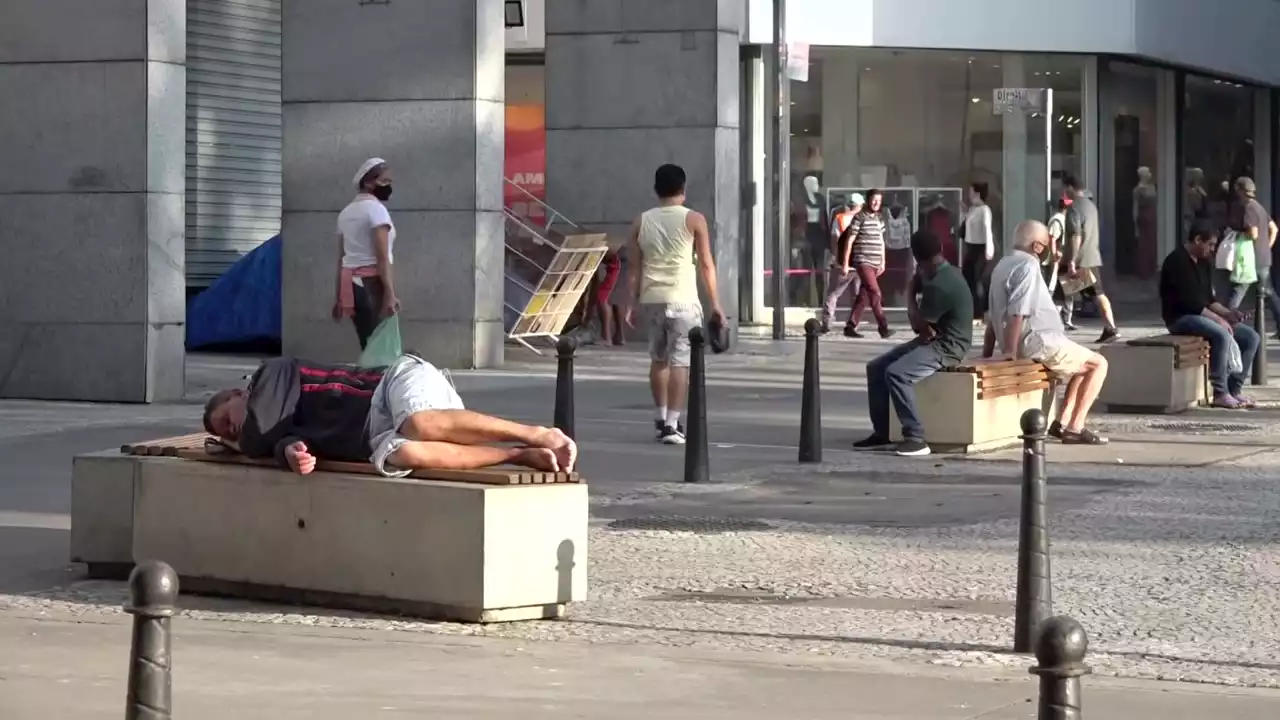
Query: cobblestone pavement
[1176,577]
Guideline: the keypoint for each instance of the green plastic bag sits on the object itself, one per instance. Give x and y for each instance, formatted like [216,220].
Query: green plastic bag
[1246,267]
[383,347]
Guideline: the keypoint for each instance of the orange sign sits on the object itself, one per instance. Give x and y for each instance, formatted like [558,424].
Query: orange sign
[526,157]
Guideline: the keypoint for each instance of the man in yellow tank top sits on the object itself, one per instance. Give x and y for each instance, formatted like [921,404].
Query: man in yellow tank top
[670,246]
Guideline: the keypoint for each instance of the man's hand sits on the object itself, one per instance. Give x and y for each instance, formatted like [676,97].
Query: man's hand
[927,333]
[845,270]
[717,312]
[562,447]
[300,458]
[338,313]
[538,459]
[1072,270]
[1235,316]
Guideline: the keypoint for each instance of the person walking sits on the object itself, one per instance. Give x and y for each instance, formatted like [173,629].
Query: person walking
[365,289]
[979,246]
[867,255]
[669,248]
[1253,223]
[1084,259]
[841,277]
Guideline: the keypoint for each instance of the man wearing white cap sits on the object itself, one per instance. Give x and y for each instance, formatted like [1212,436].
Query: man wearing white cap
[365,288]
[840,277]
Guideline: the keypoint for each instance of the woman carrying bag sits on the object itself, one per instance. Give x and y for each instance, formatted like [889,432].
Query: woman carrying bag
[365,289]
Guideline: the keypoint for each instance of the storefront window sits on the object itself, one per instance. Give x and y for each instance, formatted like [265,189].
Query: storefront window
[922,126]
[1217,146]
[1135,166]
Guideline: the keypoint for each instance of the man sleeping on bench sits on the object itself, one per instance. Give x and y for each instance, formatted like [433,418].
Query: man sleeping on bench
[400,418]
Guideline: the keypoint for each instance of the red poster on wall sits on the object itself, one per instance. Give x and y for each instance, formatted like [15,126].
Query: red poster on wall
[526,158]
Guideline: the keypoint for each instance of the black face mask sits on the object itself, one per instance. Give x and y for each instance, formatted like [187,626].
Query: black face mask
[382,192]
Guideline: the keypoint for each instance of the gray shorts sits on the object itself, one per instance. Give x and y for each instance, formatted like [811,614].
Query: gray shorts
[669,326]
[409,386]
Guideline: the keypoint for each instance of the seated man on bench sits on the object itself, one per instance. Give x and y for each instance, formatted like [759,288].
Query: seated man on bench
[399,418]
[1189,308]
[943,321]
[1026,323]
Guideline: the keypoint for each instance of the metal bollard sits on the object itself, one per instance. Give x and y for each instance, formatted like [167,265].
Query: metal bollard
[810,398]
[696,462]
[1035,591]
[153,593]
[1060,650]
[564,412]
[1260,325]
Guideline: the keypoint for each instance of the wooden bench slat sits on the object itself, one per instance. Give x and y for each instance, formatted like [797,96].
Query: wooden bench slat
[994,393]
[1174,341]
[488,476]
[991,368]
[1031,378]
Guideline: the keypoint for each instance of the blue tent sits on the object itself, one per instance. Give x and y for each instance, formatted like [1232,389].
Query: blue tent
[242,305]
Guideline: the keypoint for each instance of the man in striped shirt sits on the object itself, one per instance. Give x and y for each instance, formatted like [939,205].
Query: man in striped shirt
[866,257]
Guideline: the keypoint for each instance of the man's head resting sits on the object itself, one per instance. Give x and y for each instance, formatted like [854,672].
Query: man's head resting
[225,412]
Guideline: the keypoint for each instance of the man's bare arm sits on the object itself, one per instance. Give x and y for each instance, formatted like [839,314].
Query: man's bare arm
[697,224]
[989,341]
[1012,334]
[635,261]
[1271,225]
[450,456]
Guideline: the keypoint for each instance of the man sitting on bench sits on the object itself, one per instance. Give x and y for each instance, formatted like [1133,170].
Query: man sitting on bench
[1023,318]
[1188,308]
[943,321]
[399,418]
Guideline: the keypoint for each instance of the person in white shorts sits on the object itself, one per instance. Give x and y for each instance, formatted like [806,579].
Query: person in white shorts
[670,247]
[400,418]
[1025,323]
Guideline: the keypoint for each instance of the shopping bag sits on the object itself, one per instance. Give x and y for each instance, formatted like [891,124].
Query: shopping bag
[383,347]
[1225,258]
[1246,267]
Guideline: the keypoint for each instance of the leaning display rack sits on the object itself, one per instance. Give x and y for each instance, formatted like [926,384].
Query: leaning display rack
[550,262]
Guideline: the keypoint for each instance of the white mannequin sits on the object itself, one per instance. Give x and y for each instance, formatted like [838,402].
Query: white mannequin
[814,204]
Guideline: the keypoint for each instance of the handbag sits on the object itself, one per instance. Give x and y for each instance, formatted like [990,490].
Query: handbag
[1225,258]
[1082,280]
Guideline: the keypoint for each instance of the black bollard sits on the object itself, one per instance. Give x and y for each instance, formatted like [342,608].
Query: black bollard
[1260,325]
[1060,650]
[564,412]
[1035,592]
[696,462]
[810,398]
[153,593]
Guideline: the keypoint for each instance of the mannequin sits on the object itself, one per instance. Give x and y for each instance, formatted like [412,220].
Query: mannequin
[815,234]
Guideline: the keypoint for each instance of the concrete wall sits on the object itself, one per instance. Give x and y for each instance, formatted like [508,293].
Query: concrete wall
[92,136]
[421,85]
[1169,31]
[631,86]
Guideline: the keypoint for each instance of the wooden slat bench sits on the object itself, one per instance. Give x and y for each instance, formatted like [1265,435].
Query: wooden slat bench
[474,546]
[201,447]
[1158,374]
[977,405]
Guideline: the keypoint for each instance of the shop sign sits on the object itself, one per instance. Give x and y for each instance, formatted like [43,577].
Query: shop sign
[1006,100]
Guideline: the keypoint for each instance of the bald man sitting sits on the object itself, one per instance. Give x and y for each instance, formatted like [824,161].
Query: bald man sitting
[1025,323]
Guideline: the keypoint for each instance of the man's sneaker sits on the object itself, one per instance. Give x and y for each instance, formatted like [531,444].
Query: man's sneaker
[1084,437]
[851,332]
[886,333]
[874,442]
[912,448]
[1055,430]
[672,435]
[1108,335]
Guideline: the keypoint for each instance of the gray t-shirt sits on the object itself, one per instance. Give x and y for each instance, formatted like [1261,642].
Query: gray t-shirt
[1087,215]
[1256,216]
[1018,289]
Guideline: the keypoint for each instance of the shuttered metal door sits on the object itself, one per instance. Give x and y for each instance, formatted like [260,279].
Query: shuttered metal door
[233,132]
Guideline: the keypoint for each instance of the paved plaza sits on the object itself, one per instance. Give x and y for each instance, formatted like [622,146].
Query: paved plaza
[1164,545]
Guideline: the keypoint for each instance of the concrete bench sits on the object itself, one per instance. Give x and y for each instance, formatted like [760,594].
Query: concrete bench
[977,405]
[486,546]
[1159,374]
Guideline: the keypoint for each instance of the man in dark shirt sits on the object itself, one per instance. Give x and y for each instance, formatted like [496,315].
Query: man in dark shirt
[1189,308]
[943,322]
[399,418]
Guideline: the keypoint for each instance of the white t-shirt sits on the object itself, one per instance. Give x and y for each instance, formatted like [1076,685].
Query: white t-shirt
[356,224]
